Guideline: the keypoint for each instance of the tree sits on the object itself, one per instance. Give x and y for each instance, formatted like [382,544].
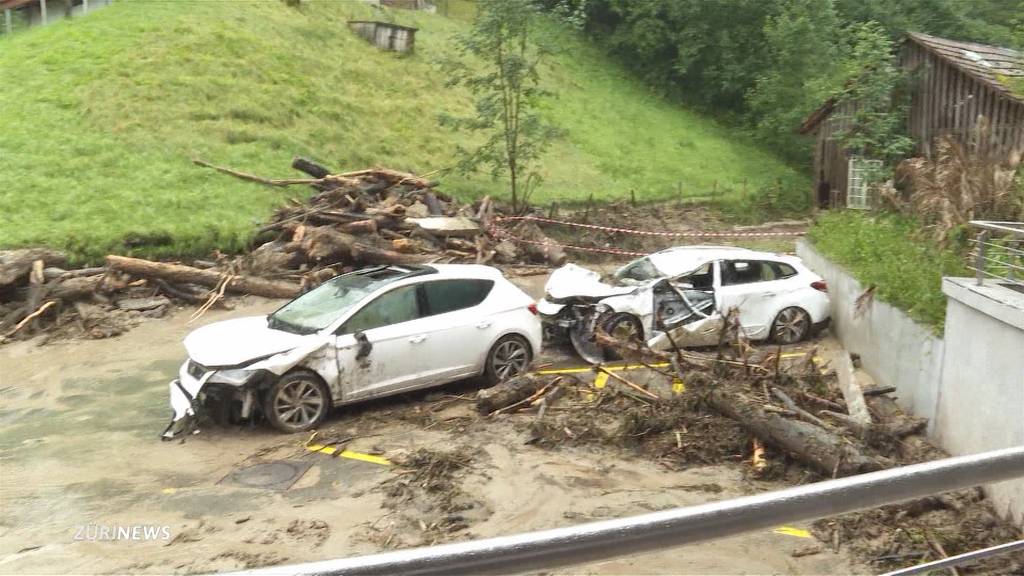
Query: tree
[800,74]
[873,87]
[499,65]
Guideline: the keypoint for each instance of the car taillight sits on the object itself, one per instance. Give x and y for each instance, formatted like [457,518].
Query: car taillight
[820,286]
[533,308]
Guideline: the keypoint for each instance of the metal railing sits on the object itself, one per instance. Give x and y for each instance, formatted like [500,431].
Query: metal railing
[998,252]
[607,539]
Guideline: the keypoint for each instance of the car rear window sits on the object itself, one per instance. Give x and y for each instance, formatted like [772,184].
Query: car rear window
[449,295]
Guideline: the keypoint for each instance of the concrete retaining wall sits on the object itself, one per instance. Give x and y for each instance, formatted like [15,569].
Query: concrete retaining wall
[969,383]
[894,350]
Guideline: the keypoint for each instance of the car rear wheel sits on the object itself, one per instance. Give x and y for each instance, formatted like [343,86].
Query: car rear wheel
[297,402]
[791,325]
[509,357]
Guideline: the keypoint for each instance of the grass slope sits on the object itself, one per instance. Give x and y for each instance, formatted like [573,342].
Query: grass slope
[99,117]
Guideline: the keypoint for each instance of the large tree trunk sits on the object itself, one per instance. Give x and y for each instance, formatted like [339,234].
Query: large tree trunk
[16,264]
[178,273]
[815,446]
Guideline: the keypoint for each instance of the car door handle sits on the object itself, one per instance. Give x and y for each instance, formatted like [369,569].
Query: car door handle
[417,339]
[484,324]
[770,294]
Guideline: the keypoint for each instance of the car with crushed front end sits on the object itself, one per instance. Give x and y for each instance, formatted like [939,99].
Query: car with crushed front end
[371,333]
[682,296]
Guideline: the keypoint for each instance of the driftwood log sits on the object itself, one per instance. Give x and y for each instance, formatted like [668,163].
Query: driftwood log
[507,393]
[328,245]
[16,264]
[815,446]
[178,273]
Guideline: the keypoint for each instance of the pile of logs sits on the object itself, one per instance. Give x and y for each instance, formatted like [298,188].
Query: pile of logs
[825,425]
[381,216]
[354,219]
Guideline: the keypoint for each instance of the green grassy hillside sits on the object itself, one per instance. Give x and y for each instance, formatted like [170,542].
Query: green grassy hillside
[99,117]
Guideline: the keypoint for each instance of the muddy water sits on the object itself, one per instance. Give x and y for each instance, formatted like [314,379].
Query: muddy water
[80,452]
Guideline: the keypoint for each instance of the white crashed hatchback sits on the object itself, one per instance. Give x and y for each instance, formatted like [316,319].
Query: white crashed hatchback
[681,296]
[370,333]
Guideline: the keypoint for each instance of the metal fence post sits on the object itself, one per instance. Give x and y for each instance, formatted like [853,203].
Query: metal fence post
[979,261]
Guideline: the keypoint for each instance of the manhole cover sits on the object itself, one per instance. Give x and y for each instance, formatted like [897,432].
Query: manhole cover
[278,475]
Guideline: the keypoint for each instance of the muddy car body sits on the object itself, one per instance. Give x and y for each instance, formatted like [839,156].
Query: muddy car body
[682,295]
[371,333]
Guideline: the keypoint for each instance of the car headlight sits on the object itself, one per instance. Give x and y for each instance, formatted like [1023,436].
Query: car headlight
[234,377]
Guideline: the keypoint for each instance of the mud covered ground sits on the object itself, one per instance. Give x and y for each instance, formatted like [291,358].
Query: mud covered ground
[80,453]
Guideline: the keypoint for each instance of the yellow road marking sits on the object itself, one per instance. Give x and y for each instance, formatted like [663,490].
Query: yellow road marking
[169,490]
[610,368]
[349,454]
[678,387]
[791,531]
[601,380]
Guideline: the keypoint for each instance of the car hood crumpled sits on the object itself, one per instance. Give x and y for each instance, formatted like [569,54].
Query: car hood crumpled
[238,341]
[572,280]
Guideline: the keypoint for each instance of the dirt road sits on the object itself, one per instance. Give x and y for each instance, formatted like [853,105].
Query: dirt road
[81,458]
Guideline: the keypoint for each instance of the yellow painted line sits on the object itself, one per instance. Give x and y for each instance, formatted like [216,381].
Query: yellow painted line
[169,490]
[678,387]
[610,368]
[791,531]
[601,380]
[349,454]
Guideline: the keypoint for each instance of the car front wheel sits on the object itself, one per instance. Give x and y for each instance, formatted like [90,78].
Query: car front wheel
[509,357]
[791,325]
[297,402]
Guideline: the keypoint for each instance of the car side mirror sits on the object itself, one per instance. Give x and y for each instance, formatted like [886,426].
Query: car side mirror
[364,345]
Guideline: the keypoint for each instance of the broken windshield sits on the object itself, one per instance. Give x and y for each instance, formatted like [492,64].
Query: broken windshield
[320,307]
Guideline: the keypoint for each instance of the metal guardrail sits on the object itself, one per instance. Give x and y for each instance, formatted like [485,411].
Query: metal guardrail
[999,251]
[607,539]
[958,559]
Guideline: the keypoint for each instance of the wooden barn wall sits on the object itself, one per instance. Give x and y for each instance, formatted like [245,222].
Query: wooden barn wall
[946,101]
[830,158]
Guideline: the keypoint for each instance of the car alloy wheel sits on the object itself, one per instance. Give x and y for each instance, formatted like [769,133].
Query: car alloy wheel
[298,402]
[509,358]
[791,325]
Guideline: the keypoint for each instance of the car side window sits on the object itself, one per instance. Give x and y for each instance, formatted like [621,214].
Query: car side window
[394,307]
[782,270]
[450,295]
[745,272]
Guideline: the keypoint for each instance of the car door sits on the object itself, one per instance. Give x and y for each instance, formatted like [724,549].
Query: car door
[751,287]
[382,348]
[462,330]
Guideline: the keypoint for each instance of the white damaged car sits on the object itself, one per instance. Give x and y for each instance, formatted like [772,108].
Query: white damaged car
[367,334]
[682,295]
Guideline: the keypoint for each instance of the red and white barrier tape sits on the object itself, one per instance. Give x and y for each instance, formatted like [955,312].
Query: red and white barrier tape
[500,233]
[500,219]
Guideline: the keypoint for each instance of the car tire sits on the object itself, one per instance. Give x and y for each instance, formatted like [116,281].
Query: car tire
[791,325]
[297,402]
[509,357]
[622,326]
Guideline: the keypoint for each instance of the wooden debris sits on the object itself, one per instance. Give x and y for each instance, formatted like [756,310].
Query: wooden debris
[179,273]
[855,404]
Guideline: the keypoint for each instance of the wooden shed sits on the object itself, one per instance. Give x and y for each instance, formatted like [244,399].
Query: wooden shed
[953,85]
[385,35]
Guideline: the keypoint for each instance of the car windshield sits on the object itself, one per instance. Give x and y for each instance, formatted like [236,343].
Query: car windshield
[320,307]
[641,269]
